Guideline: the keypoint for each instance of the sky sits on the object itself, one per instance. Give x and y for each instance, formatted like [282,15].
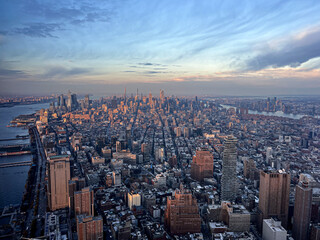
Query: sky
[186,47]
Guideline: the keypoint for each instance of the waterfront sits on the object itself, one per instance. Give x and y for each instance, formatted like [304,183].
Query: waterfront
[12,179]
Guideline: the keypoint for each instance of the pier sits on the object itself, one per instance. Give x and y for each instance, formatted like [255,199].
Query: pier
[15,164]
[16,138]
[5,154]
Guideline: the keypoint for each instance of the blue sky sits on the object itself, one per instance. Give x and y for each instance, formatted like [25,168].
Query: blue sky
[185,47]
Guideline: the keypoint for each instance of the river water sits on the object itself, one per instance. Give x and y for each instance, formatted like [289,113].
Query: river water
[13,179]
[277,114]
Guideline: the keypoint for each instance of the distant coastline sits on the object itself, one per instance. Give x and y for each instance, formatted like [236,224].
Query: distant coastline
[8,105]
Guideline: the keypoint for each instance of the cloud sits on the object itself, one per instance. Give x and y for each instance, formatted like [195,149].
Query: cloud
[10,72]
[290,52]
[152,72]
[77,13]
[146,64]
[60,72]
[41,30]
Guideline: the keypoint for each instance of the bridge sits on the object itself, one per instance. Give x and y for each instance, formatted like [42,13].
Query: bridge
[15,164]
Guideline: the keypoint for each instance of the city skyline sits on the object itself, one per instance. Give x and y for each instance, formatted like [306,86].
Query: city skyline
[187,48]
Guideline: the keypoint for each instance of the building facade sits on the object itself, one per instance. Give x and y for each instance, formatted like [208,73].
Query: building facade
[229,170]
[84,201]
[274,195]
[302,211]
[202,165]
[182,215]
[59,176]
[89,228]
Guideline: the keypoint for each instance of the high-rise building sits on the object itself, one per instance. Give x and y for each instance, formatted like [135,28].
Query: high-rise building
[249,169]
[229,170]
[69,101]
[161,96]
[74,101]
[86,101]
[274,195]
[182,215]
[116,178]
[84,202]
[134,199]
[268,154]
[202,165]
[75,184]
[61,101]
[59,176]
[89,228]
[302,211]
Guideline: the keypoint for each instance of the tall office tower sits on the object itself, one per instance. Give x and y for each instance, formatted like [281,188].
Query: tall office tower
[89,228]
[202,165]
[182,215]
[268,154]
[229,171]
[75,184]
[84,202]
[134,199]
[161,96]
[74,101]
[125,96]
[69,101]
[114,102]
[58,101]
[302,211]
[150,99]
[62,101]
[86,101]
[274,195]
[59,176]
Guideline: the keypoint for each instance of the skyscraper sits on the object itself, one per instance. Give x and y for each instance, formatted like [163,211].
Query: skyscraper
[274,195]
[161,96]
[182,215]
[84,202]
[229,171]
[86,101]
[202,165]
[302,211]
[59,176]
[69,101]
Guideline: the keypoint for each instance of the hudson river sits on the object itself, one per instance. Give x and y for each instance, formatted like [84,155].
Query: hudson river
[13,179]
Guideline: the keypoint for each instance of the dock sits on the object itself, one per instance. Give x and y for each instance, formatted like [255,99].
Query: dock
[15,164]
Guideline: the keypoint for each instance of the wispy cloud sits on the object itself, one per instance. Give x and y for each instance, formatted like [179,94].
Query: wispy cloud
[41,30]
[61,72]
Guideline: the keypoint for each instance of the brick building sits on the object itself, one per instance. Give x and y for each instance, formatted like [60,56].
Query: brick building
[202,165]
[182,215]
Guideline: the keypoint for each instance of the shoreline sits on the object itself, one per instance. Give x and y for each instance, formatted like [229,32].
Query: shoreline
[9,105]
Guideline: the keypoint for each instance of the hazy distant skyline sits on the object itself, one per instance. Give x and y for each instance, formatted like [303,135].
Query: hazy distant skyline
[185,47]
